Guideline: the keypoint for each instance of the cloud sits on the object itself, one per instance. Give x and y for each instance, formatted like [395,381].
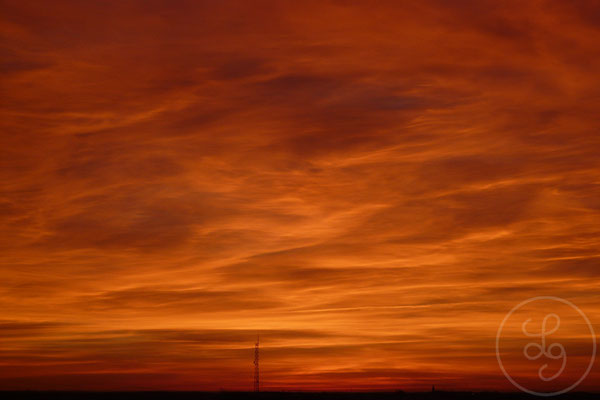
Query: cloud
[371,188]
[201,301]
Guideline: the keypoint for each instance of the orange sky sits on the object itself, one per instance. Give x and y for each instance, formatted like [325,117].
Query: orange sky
[372,185]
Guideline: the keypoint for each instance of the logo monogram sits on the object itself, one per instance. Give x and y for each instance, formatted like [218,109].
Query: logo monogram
[541,348]
[544,346]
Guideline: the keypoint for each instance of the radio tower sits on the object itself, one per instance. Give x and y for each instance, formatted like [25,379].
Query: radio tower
[256,375]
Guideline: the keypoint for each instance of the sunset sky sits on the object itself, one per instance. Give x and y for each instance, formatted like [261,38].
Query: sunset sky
[371,185]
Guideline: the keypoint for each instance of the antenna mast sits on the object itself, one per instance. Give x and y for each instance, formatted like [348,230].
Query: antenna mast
[256,375]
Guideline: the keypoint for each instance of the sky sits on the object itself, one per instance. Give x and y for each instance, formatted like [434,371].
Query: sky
[372,186]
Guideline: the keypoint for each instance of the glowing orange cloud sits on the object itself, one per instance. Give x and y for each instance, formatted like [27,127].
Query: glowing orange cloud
[370,186]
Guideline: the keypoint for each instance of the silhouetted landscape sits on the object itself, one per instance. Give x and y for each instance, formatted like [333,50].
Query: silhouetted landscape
[179,395]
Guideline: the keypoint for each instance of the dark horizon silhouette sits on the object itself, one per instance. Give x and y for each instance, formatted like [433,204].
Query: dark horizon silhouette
[288,395]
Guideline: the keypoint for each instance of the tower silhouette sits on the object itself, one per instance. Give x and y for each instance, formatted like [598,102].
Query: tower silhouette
[256,374]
